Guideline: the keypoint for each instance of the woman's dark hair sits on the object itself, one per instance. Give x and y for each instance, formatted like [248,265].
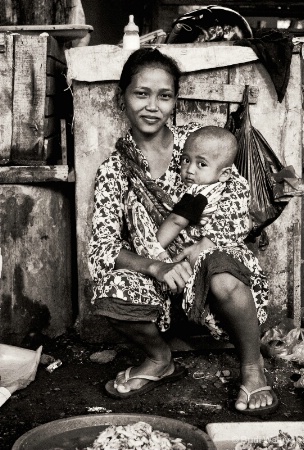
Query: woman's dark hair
[147,57]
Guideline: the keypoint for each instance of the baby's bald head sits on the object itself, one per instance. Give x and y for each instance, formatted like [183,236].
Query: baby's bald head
[208,155]
[217,142]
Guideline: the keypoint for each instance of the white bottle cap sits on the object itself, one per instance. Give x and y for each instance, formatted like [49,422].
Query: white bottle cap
[131,25]
[4,395]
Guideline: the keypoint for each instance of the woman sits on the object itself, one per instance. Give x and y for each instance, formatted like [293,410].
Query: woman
[134,291]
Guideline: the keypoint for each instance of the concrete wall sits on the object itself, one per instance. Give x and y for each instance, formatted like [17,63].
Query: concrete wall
[36,284]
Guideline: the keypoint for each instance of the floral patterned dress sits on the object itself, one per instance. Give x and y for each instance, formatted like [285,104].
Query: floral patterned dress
[109,235]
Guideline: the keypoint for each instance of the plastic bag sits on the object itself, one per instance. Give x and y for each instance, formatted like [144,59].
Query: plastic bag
[299,381]
[277,342]
[18,367]
[294,341]
[257,162]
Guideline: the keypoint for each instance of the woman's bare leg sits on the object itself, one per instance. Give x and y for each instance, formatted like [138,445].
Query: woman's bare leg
[158,354]
[234,305]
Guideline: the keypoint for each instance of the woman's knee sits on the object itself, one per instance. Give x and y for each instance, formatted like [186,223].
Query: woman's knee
[225,286]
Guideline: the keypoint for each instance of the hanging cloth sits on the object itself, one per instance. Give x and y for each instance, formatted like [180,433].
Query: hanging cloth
[274,49]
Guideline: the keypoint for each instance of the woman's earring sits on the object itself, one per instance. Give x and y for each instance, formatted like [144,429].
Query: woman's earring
[122,107]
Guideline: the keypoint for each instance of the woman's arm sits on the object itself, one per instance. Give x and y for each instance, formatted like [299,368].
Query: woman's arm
[175,275]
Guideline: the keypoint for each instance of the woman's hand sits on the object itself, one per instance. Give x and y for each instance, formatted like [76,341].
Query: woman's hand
[192,252]
[175,275]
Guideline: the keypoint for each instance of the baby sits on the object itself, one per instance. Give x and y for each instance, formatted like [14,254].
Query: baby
[206,165]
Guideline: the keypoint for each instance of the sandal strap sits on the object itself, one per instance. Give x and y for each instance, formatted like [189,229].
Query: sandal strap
[146,377]
[127,373]
[143,377]
[255,391]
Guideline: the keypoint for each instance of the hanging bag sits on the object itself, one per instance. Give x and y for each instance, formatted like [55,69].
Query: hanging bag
[262,169]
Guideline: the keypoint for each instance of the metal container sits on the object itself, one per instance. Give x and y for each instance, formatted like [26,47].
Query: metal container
[81,431]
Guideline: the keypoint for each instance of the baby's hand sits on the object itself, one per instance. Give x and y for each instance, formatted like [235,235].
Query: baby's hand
[164,256]
[192,252]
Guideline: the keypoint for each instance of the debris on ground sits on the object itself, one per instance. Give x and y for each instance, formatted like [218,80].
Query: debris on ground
[223,376]
[54,365]
[98,409]
[298,378]
[103,357]
[209,405]
[46,360]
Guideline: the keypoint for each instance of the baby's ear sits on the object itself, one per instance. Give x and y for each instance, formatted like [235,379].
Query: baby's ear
[225,174]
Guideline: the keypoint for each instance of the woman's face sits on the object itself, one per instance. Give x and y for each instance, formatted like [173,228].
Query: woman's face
[149,100]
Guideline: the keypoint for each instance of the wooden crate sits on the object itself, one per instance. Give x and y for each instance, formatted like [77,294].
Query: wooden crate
[32,70]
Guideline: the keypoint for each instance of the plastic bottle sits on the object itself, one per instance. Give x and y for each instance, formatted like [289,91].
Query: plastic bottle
[131,37]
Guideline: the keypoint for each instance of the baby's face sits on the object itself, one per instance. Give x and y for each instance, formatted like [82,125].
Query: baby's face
[198,165]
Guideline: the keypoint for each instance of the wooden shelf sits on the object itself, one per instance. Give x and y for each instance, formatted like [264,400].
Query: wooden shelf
[35,174]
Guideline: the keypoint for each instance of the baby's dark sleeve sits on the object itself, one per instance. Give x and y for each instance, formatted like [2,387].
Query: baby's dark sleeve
[191,207]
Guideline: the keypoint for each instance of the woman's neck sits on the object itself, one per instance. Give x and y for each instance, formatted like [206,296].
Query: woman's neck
[156,142]
[157,149]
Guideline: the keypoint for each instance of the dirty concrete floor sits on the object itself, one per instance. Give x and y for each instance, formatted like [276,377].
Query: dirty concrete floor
[76,386]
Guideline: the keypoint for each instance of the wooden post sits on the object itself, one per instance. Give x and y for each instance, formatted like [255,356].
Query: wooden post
[6,96]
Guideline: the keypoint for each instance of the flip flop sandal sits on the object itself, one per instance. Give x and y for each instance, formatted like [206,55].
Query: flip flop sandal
[111,391]
[263,410]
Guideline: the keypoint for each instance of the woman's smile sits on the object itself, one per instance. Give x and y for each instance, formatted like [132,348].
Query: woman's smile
[150,119]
